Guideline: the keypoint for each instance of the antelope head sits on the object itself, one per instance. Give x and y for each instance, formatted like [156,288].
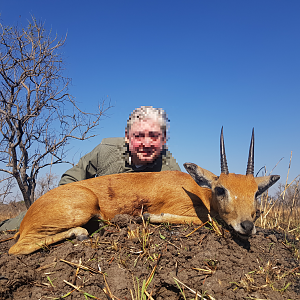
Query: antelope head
[234,195]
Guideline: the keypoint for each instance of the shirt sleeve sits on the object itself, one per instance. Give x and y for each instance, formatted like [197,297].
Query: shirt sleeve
[86,168]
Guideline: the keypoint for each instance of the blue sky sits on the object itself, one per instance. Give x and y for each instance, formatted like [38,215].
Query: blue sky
[207,63]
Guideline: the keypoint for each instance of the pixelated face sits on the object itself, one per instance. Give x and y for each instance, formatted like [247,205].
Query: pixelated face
[145,139]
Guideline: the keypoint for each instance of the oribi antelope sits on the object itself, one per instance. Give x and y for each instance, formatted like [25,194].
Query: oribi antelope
[168,196]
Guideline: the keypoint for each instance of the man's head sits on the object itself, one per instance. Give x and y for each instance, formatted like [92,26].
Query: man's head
[146,134]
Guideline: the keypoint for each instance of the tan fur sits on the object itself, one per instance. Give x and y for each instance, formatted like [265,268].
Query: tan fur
[240,205]
[171,196]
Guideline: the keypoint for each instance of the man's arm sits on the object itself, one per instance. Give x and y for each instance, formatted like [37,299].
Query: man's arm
[85,169]
[102,160]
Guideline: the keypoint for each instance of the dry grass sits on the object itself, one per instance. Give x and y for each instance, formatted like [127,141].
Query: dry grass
[282,211]
[273,279]
[11,210]
[280,217]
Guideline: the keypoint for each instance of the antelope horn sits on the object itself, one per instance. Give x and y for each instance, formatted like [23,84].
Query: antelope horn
[250,165]
[224,167]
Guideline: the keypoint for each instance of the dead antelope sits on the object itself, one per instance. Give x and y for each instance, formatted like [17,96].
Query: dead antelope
[169,196]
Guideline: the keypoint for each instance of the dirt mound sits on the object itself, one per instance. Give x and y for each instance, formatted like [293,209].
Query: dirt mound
[111,263]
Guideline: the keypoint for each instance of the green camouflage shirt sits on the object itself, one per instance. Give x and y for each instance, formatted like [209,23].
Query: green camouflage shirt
[112,157]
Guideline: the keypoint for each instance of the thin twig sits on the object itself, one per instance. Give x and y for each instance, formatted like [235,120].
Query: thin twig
[148,295]
[152,273]
[193,291]
[196,229]
[6,239]
[82,267]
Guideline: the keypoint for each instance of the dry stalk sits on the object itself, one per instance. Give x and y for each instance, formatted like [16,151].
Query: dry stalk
[149,295]
[73,286]
[131,294]
[5,240]
[280,215]
[82,267]
[153,270]
[77,271]
[79,290]
[193,291]
[287,176]
[204,271]
[292,207]
[173,245]
[214,225]
[108,289]
[196,229]
[11,230]
[46,266]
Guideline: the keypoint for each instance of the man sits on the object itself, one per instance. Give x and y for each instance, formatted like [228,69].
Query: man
[142,150]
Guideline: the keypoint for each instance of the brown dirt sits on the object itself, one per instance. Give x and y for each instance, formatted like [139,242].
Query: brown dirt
[222,267]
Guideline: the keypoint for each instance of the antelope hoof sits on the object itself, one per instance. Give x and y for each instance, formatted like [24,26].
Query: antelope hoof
[82,237]
[146,216]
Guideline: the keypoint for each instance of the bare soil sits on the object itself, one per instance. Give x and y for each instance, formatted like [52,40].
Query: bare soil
[114,266]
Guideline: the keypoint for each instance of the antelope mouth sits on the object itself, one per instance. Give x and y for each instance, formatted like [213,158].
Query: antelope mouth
[243,236]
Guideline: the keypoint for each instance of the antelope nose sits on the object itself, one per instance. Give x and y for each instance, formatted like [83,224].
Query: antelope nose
[247,227]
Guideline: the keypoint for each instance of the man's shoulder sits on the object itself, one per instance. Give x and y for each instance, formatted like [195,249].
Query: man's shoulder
[114,141]
[108,146]
[107,143]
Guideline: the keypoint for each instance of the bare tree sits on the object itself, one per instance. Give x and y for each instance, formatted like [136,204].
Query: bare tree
[46,183]
[6,186]
[38,116]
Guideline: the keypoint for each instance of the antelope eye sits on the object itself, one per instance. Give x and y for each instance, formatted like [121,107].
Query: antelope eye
[220,191]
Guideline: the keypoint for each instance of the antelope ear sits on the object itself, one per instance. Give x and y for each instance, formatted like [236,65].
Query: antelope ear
[265,182]
[202,177]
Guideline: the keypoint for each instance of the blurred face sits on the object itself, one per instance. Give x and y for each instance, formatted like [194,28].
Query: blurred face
[145,139]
